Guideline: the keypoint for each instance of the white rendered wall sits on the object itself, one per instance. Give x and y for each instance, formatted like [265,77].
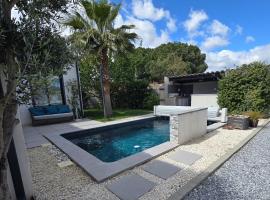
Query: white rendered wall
[71,75]
[25,115]
[204,100]
[23,161]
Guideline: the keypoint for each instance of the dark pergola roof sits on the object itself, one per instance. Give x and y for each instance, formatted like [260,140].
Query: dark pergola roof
[199,77]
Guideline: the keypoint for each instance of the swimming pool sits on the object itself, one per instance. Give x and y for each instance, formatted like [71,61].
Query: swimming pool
[114,143]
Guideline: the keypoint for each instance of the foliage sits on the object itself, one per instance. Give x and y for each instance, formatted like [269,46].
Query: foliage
[246,88]
[151,100]
[165,60]
[129,94]
[97,114]
[131,73]
[127,91]
[95,31]
[19,50]
[254,115]
[90,77]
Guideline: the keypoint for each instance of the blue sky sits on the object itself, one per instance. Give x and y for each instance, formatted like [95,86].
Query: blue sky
[229,32]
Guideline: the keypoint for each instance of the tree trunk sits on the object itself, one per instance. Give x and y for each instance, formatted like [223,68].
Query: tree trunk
[8,104]
[4,190]
[107,105]
[8,121]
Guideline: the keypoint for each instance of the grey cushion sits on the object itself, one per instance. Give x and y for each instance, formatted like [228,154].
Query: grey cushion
[53,116]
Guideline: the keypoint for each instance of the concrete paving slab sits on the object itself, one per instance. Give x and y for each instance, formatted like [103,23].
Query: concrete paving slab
[161,169]
[184,157]
[131,187]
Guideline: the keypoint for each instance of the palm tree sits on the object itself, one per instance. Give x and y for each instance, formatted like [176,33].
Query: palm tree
[95,30]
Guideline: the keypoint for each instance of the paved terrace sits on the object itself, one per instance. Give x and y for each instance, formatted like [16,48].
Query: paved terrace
[245,176]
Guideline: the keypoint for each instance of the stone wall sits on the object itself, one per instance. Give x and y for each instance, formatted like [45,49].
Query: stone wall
[188,125]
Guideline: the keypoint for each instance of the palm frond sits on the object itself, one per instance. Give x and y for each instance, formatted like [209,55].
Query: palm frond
[89,9]
[114,12]
[75,22]
[96,30]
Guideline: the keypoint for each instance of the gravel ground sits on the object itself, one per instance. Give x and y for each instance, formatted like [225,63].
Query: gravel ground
[245,176]
[52,182]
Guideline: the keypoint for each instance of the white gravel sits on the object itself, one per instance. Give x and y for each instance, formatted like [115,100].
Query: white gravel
[52,182]
[244,176]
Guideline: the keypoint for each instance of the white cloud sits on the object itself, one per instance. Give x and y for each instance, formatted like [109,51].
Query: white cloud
[171,25]
[146,31]
[214,42]
[145,9]
[119,21]
[217,28]
[228,59]
[144,15]
[250,39]
[192,24]
[239,30]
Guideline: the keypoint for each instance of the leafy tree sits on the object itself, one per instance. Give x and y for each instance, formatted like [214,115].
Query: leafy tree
[176,59]
[90,77]
[96,31]
[246,88]
[165,60]
[21,52]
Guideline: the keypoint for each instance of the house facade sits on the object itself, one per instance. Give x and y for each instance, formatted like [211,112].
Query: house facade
[198,90]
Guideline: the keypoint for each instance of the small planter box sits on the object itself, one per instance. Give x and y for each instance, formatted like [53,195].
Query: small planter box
[239,122]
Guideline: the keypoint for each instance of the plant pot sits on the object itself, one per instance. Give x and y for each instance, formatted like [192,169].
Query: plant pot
[238,122]
[254,122]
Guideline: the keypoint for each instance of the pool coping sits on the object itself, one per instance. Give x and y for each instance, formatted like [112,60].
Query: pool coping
[99,170]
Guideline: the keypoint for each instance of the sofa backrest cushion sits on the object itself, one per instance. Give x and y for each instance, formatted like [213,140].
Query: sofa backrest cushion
[37,111]
[63,109]
[213,112]
[49,110]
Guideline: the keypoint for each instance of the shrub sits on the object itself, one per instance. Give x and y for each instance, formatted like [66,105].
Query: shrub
[151,100]
[254,115]
[246,88]
[129,94]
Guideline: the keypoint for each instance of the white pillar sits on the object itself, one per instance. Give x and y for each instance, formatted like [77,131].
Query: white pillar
[223,117]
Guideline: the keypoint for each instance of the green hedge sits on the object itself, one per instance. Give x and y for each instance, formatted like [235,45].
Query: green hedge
[247,88]
[128,94]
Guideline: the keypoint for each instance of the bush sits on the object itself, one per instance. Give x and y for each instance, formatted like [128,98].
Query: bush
[246,88]
[129,94]
[151,100]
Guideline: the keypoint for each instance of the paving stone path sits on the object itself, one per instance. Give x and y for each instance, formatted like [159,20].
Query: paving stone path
[244,176]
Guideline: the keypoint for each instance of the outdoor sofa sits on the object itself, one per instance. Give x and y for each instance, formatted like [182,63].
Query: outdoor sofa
[213,113]
[50,114]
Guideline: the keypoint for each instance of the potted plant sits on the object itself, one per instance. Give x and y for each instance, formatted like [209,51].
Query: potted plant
[254,117]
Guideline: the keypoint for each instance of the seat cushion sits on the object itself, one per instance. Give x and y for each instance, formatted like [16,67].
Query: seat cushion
[53,116]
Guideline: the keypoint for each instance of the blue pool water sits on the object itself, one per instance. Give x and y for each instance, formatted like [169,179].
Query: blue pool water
[116,143]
